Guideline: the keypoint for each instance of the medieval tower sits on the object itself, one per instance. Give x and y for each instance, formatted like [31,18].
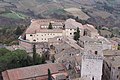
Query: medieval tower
[92,61]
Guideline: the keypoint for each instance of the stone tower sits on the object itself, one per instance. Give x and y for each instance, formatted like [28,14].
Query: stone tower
[92,61]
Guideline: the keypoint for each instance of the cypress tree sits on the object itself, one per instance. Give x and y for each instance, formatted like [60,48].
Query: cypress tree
[34,54]
[64,27]
[77,34]
[50,26]
[43,59]
[49,75]
[18,31]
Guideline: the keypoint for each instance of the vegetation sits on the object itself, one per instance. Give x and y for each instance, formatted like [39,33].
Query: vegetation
[50,26]
[36,58]
[64,27]
[13,15]
[16,59]
[77,34]
[9,35]
[49,75]
[34,54]
[18,31]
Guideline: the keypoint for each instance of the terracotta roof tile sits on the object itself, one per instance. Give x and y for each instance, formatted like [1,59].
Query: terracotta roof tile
[36,24]
[32,71]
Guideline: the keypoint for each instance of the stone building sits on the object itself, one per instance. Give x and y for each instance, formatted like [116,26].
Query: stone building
[38,30]
[112,64]
[37,72]
[89,30]
[92,61]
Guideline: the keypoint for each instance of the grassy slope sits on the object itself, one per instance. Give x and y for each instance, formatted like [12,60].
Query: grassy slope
[14,15]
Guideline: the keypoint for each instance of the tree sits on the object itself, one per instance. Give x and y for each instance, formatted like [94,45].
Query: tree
[15,59]
[3,51]
[77,34]
[43,59]
[18,31]
[49,75]
[50,26]
[64,27]
[34,54]
[77,19]
[36,58]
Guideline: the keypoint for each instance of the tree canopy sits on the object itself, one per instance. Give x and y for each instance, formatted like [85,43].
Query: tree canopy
[18,31]
[50,26]
[16,59]
[36,58]
[77,34]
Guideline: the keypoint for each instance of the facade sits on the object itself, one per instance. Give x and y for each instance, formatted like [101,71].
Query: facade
[112,64]
[106,43]
[115,72]
[43,35]
[38,30]
[92,61]
[112,67]
[83,40]
[71,26]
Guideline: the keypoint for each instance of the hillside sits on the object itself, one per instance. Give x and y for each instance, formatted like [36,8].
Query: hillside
[97,12]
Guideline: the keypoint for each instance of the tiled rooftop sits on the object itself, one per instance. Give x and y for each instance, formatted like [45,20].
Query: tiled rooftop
[32,71]
[49,31]
[90,28]
[36,24]
[72,24]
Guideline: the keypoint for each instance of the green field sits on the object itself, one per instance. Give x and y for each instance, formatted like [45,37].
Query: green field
[59,11]
[14,15]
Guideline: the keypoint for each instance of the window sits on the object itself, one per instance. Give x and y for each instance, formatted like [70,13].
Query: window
[117,76]
[96,52]
[31,35]
[41,35]
[34,40]
[70,29]
[70,33]
[45,38]
[92,78]
[118,67]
